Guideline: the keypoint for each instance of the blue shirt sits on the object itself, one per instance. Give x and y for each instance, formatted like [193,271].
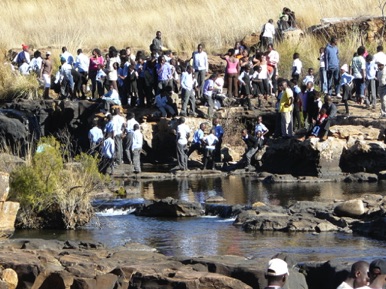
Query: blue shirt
[331,57]
[218,131]
[164,72]
[198,136]
[95,135]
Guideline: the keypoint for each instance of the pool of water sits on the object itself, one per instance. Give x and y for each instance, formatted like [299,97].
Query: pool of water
[216,236]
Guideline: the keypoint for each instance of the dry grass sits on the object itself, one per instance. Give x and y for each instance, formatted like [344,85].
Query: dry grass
[90,23]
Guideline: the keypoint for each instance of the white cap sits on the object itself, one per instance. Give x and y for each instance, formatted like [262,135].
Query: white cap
[344,67]
[48,53]
[277,267]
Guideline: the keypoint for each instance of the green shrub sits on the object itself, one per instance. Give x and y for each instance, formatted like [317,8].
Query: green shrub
[49,190]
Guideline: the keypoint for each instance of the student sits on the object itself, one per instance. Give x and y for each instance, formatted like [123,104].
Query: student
[346,85]
[198,140]
[358,276]
[210,142]
[276,274]
[108,150]
[296,67]
[136,148]
[246,89]
[162,103]
[260,131]
[100,78]
[371,70]
[322,116]
[309,77]
[382,87]
[209,93]
[95,136]
[252,148]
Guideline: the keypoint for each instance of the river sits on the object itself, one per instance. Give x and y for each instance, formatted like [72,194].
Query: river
[212,235]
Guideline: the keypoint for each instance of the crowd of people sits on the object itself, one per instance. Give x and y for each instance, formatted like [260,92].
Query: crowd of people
[303,103]
[362,275]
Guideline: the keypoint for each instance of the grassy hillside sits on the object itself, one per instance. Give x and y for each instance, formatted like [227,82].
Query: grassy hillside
[217,23]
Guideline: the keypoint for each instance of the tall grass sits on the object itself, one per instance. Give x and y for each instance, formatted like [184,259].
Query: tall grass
[185,23]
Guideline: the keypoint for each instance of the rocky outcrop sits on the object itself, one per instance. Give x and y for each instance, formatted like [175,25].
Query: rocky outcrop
[41,264]
[8,210]
[369,28]
[169,207]
[365,215]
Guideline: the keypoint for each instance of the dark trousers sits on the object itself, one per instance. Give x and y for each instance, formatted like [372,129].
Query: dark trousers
[106,163]
[233,89]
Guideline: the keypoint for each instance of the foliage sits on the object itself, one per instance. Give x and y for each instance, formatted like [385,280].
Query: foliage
[14,85]
[49,189]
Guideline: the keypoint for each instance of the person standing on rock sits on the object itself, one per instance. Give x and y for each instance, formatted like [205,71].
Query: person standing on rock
[118,128]
[285,109]
[187,92]
[276,274]
[252,147]
[273,61]
[331,62]
[198,140]
[358,276]
[45,74]
[108,150]
[268,34]
[382,86]
[358,67]
[201,67]
[137,148]
[183,133]
[219,133]
[95,136]
[128,139]
[81,64]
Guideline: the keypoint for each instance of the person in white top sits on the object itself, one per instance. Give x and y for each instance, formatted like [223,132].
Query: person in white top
[111,98]
[128,139]
[137,147]
[108,150]
[210,146]
[67,81]
[95,136]
[183,133]
[201,67]
[358,276]
[67,55]
[380,56]
[268,34]
[81,64]
[322,70]
[273,61]
[119,124]
[187,91]
[24,68]
[24,54]
[296,67]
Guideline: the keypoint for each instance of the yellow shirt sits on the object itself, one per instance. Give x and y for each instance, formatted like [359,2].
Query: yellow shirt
[286,100]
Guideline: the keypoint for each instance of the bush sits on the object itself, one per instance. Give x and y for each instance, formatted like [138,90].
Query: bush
[53,194]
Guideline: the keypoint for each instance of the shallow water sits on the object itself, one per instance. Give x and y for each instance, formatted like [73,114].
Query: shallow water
[216,236]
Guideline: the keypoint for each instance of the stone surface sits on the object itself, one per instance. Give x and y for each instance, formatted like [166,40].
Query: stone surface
[361,177]
[169,207]
[9,276]
[4,186]
[351,208]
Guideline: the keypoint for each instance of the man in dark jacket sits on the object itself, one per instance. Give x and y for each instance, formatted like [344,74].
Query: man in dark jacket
[252,147]
[331,111]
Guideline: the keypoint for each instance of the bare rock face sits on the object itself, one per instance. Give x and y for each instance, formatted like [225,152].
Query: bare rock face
[169,207]
[8,210]
[354,131]
[351,208]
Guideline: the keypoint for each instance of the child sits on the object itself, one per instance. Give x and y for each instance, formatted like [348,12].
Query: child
[319,121]
[346,85]
[133,88]
[296,67]
[108,150]
[371,70]
[246,89]
[260,131]
[210,142]
[100,80]
[309,77]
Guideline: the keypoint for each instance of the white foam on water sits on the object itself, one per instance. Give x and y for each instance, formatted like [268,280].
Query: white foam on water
[115,212]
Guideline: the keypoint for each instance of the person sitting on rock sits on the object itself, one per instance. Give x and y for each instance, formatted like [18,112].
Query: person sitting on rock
[210,142]
[198,140]
[319,122]
[162,102]
[276,274]
[331,112]
[357,277]
[111,98]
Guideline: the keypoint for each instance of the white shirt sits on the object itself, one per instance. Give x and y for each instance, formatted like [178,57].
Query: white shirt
[380,57]
[358,65]
[95,135]
[298,66]
[24,69]
[211,139]
[66,68]
[260,128]
[269,30]
[26,55]
[308,78]
[108,148]
[118,122]
[68,56]
[187,80]
[182,132]
[82,62]
[113,96]
[36,64]
[273,58]
[100,75]
[322,64]
[130,124]
[200,61]
[137,140]
[344,285]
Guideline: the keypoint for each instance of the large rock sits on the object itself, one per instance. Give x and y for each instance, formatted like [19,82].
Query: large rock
[354,131]
[169,207]
[8,210]
[10,277]
[307,158]
[351,208]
